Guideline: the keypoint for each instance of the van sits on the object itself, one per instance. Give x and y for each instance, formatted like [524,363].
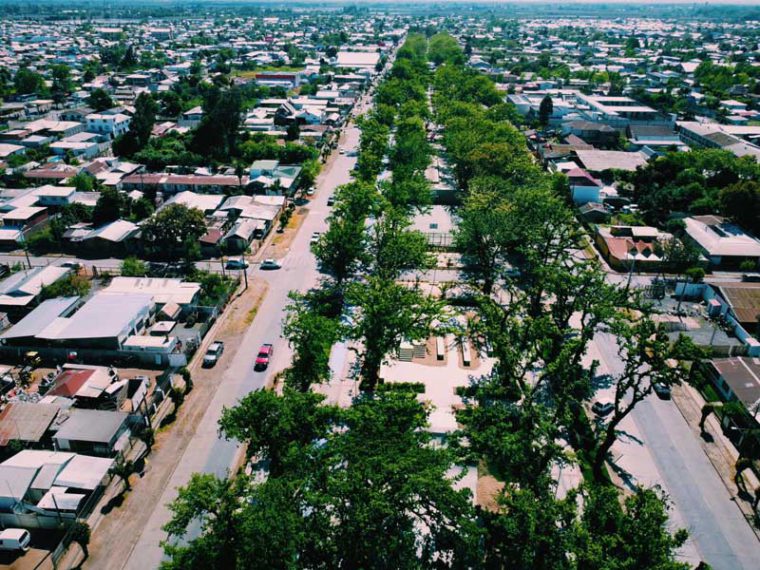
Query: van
[15,539]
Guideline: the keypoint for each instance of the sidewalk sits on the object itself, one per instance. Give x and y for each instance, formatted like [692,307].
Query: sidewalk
[718,448]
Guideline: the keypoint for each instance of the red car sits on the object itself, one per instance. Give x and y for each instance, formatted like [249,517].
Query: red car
[262,359]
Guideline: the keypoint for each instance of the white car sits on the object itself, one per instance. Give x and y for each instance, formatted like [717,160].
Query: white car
[270,264]
[213,353]
[315,237]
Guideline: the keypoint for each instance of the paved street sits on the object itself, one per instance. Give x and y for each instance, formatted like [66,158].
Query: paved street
[701,502]
[208,453]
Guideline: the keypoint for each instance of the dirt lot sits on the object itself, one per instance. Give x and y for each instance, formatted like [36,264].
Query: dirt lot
[114,535]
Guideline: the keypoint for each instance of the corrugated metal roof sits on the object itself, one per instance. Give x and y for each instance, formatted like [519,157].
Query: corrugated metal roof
[25,421]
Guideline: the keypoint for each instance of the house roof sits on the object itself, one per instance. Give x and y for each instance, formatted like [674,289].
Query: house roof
[103,316]
[69,382]
[94,426]
[25,421]
[720,238]
[162,290]
[203,202]
[743,377]
[84,471]
[22,288]
[116,231]
[600,160]
[41,317]
[15,481]
[744,299]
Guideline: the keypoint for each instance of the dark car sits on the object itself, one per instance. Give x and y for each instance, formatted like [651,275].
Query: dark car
[662,390]
[263,357]
[237,264]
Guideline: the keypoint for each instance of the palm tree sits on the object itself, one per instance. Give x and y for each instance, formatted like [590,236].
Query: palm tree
[80,533]
[741,465]
[123,468]
[707,409]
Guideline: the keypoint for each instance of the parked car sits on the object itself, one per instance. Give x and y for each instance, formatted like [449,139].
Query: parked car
[213,353]
[751,277]
[270,264]
[263,357]
[236,264]
[310,191]
[331,200]
[662,390]
[15,539]
[75,265]
[315,237]
[602,408]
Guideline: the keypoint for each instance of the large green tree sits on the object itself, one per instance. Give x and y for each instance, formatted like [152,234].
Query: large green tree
[173,232]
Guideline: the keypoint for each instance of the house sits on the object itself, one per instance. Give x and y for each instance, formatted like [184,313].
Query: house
[28,423]
[661,137]
[271,178]
[737,379]
[726,137]
[598,161]
[264,209]
[725,245]
[117,238]
[105,321]
[92,432]
[163,291]
[617,111]
[25,218]
[8,150]
[243,232]
[90,387]
[19,292]
[584,188]
[107,124]
[594,213]
[81,145]
[206,203]
[743,300]
[191,117]
[629,247]
[49,486]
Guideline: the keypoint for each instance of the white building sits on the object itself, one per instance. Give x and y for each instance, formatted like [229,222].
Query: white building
[111,125]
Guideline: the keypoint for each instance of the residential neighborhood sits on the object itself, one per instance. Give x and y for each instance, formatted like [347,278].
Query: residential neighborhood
[380,285]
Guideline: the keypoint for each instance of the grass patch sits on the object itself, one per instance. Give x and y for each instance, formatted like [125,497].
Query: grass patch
[251,314]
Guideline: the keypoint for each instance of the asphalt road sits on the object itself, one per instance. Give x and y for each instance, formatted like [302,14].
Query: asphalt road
[716,526]
[208,453]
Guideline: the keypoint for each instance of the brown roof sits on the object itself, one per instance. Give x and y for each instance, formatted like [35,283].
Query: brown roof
[26,421]
[69,382]
[212,237]
[744,299]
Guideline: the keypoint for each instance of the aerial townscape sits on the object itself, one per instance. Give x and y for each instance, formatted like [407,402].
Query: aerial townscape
[379,285]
